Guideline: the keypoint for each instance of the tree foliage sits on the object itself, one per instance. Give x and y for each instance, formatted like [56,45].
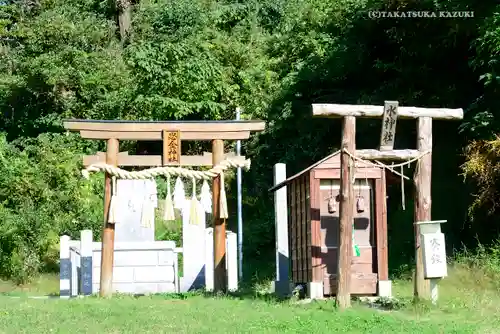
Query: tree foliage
[199,60]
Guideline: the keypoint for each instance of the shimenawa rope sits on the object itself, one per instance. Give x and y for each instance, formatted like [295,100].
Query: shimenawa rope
[379,164]
[170,171]
[391,168]
[385,166]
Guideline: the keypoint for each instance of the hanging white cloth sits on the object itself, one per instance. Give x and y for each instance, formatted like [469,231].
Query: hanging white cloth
[168,205]
[153,192]
[206,197]
[196,209]
[179,194]
[114,205]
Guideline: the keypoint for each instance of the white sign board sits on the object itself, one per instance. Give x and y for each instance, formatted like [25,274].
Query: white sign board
[434,253]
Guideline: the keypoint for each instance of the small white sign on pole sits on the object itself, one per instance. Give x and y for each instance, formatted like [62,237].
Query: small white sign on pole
[434,253]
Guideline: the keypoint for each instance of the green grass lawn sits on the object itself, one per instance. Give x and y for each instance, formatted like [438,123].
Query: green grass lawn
[469,303]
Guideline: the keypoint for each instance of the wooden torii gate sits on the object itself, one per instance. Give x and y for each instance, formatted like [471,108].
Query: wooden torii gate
[171,133]
[422,178]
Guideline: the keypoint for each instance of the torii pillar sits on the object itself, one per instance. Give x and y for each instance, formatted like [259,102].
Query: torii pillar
[422,178]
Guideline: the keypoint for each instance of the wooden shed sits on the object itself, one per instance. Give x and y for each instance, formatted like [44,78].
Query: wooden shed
[313,226]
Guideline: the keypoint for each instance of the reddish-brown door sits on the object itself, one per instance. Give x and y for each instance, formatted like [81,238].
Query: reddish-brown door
[363,273]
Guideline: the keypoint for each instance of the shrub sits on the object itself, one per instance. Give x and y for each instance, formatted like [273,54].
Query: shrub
[42,196]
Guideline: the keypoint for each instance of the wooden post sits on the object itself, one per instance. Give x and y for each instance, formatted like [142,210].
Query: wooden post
[346,213]
[381,227]
[219,224]
[108,233]
[423,203]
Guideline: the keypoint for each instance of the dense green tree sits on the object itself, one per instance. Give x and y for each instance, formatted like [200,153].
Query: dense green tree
[166,60]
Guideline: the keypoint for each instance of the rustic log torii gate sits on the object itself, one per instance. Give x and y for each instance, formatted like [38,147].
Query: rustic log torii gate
[422,178]
[171,133]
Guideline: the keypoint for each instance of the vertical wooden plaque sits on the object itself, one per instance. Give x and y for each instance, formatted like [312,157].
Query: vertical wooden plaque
[389,119]
[171,147]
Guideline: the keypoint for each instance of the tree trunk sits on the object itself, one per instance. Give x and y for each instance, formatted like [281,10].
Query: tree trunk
[124,9]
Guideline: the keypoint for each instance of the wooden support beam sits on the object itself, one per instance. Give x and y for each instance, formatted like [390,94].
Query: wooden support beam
[346,213]
[387,155]
[126,160]
[423,202]
[341,110]
[381,228]
[219,224]
[389,119]
[108,233]
[159,126]
[158,135]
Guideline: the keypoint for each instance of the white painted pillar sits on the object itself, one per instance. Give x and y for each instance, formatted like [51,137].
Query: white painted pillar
[176,269]
[86,262]
[232,261]
[193,245]
[209,259]
[282,284]
[65,267]
[74,257]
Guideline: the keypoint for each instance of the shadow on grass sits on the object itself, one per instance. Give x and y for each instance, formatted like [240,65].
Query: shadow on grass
[20,294]
[244,294]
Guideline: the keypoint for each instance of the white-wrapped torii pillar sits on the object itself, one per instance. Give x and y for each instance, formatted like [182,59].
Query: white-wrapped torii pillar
[389,113]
